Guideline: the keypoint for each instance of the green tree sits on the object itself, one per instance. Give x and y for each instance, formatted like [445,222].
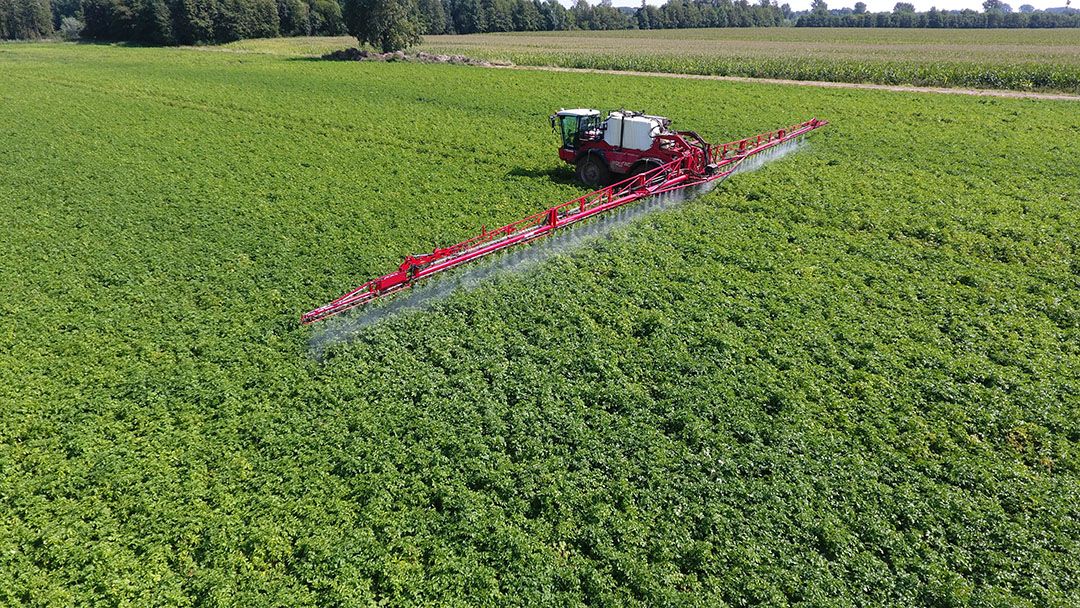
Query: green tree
[933,17]
[293,17]
[238,19]
[22,19]
[433,16]
[468,16]
[389,25]
[554,16]
[526,16]
[606,17]
[153,23]
[63,8]
[193,20]
[644,20]
[108,19]
[70,28]
[581,14]
[497,15]
[325,18]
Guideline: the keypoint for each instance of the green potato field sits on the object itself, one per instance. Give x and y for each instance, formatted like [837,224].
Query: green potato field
[849,378]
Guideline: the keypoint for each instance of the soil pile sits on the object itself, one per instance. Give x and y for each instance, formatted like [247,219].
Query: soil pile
[355,54]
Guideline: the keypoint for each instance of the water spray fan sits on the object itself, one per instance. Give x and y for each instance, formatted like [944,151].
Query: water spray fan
[666,163]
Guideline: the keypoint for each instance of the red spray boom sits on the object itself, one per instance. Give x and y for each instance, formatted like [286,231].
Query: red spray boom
[698,166]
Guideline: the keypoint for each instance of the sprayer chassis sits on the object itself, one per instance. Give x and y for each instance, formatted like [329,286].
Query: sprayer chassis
[713,163]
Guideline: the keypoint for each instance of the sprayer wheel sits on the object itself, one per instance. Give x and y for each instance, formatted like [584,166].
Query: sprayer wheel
[593,172]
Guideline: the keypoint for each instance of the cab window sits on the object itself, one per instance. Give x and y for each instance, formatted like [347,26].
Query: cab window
[569,131]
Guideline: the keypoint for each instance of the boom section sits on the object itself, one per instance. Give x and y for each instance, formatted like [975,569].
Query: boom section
[709,163]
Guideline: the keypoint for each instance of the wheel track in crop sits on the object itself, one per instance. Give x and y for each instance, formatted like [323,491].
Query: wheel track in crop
[808,83]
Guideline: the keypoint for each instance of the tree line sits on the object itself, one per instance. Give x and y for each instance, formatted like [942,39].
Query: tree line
[397,23]
[169,21]
[211,21]
[996,14]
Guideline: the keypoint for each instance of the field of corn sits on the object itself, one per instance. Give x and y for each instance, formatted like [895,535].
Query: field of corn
[850,378]
[994,59]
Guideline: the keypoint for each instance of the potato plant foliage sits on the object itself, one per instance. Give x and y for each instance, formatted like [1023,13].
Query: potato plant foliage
[849,379]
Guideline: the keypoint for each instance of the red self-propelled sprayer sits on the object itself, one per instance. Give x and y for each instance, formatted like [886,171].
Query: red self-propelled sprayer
[637,149]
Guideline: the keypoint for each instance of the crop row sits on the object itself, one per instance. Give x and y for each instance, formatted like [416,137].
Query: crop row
[1024,77]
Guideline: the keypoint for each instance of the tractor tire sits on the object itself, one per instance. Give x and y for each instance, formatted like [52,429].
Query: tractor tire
[593,172]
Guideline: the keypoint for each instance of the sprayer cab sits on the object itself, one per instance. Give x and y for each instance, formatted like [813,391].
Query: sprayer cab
[624,143]
[575,126]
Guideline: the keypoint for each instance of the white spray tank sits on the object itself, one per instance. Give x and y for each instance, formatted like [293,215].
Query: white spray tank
[632,130]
